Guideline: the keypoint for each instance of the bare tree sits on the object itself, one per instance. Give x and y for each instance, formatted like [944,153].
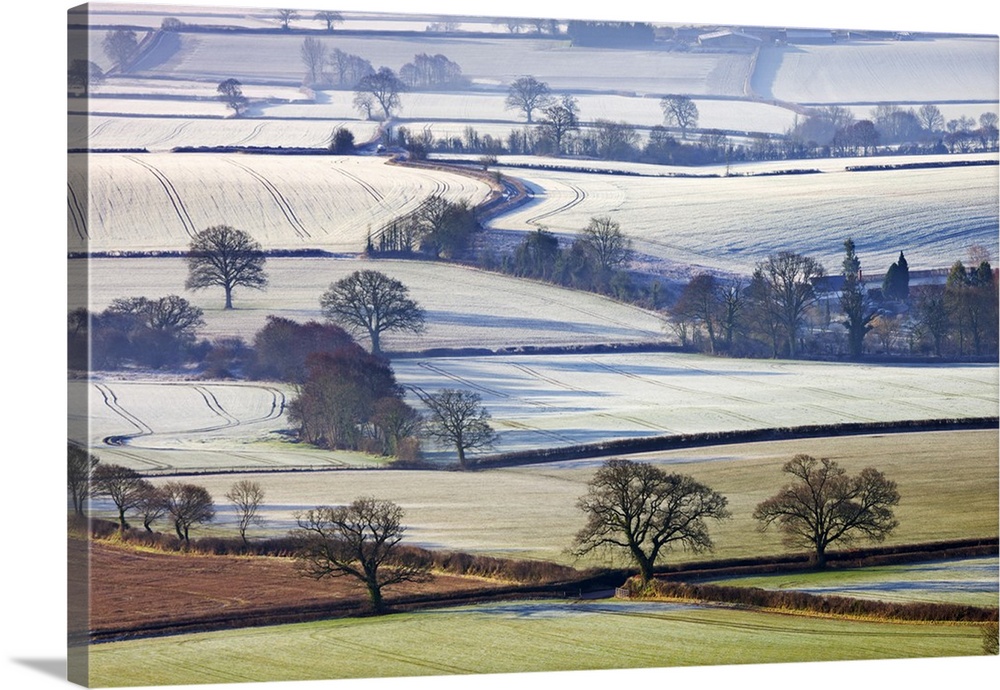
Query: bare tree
[458,418]
[359,540]
[222,256]
[231,93]
[638,508]
[152,505]
[527,94]
[123,485]
[826,505]
[286,16]
[604,240]
[313,54]
[931,118]
[560,119]
[372,302]
[679,111]
[187,505]
[120,46]
[80,465]
[787,279]
[81,75]
[330,18]
[247,497]
[384,86]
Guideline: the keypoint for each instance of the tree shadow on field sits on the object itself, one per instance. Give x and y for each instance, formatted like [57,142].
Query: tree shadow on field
[49,667]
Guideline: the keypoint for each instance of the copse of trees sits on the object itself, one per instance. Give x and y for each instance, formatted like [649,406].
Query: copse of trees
[282,347]
[120,45]
[384,87]
[432,72]
[343,404]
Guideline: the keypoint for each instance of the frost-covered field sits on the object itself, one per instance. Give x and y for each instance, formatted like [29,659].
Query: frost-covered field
[539,401]
[465,307]
[933,215]
[159,201]
[923,70]
[160,134]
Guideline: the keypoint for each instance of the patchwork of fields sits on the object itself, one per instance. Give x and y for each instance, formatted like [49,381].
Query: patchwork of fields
[723,218]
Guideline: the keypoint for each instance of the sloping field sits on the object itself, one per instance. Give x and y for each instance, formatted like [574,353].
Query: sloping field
[730,223]
[464,307]
[156,133]
[516,637]
[159,201]
[531,512]
[536,401]
[485,61]
[920,71]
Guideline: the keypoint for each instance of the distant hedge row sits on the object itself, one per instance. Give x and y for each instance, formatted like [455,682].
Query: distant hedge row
[785,600]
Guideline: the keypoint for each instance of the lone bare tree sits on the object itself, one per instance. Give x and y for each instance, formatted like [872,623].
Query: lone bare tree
[605,242]
[80,465]
[231,93]
[458,418]
[222,256]
[359,540]
[285,17]
[247,497]
[638,508]
[187,505]
[384,86]
[679,111]
[123,485]
[826,505]
[372,302]
[81,75]
[330,18]
[313,53]
[527,94]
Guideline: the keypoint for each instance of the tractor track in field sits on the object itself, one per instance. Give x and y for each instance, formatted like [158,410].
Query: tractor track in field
[172,195]
[579,195]
[367,186]
[111,402]
[279,199]
[251,135]
[76,213]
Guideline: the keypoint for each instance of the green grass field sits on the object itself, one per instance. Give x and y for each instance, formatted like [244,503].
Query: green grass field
[516,637]
[947,481]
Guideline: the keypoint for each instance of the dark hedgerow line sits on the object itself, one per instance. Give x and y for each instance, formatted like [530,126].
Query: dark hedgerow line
[678,441]
[756,597]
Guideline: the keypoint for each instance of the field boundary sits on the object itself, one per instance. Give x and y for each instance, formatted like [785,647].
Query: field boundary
[674,442]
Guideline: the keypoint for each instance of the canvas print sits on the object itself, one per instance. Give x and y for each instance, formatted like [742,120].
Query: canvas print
[419,345]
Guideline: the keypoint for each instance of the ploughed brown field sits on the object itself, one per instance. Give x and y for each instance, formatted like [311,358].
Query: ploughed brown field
[143,592]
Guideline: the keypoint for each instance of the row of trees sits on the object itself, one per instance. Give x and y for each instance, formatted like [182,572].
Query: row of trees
[835,130]
[437,228]
[644,511]
[596,259]
[631,507]
[770,313]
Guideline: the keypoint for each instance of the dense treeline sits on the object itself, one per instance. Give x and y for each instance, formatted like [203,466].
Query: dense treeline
[606,34]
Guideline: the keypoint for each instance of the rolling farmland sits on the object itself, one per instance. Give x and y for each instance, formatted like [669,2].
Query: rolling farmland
[541,357]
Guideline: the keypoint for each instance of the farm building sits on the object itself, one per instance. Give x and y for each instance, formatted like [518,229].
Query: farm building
[729,39]
[809,36]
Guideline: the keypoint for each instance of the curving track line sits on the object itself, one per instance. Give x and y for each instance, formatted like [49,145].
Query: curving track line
[279,199]
[111,401]
[76,213]
[172,195]
[579,194]
[252,135]
[367,186]
[174,133]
